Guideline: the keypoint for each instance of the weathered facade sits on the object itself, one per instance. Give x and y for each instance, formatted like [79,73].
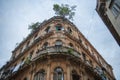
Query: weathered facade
[109,11]
[56,50]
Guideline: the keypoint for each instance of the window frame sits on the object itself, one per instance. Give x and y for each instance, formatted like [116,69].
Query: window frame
[40,74]
[45,45]
[47,30]
[59,27]
[71,45]
[58,43]
[115,7]
[69,30]
[58,75]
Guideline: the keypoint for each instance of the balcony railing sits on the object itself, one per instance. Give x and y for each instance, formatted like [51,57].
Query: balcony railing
[88,63]
[88,67]
[5,74]
[11,71]
[58,50]
[100,74]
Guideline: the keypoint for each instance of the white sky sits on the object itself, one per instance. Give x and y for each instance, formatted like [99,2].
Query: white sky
[16,15]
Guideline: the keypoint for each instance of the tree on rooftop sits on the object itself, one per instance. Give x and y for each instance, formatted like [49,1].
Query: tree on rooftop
[64,10]
[34,26]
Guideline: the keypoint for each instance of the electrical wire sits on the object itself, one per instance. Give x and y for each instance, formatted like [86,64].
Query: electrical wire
[91,24]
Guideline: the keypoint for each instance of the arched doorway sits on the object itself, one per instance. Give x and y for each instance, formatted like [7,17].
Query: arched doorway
[75,76]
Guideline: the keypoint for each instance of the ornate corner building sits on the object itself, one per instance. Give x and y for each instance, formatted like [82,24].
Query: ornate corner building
[109,11]
[56,50]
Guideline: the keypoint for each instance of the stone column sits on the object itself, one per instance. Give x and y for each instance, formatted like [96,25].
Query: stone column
[68,75]
[32,71]
[48,72]
[48,69]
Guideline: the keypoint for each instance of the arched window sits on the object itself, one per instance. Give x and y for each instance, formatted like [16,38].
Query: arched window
[84,56]
[45,45]
[58,43]
[58,74]
[27,44]
[25,78]
[35,37]
[21,49]
[70,45]
[69,30]
[59,27]
[40,75]
[31,54]
[47,29]
[75,76]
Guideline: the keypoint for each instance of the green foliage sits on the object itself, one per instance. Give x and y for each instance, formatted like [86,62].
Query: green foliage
[27,61]
[34,26]
[70,51]
[64,10]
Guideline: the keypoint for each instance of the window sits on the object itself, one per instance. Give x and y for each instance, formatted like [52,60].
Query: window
[35,37]
[22,62]
[31,53]
[21,49]
[25,78]
[80,39]
[45,45]
[40,75]
[58,74]
[47,29]
[16,68]
[70,44]
[59,27]
[58,43]
[85,45]
[75,76]
[91,63]
[69,30]
[84,56]
[27,44]
[98,69]
[115,7]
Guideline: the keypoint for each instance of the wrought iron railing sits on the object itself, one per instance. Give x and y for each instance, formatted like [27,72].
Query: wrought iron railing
[58,50]
[100,74]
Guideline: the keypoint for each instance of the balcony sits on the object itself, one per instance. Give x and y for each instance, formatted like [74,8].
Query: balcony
[58,50]
[5,74]
[88,67]
[99,74]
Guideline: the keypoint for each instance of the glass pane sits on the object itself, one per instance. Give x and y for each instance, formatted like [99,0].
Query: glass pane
[116,8]
[58,43]
[59,28]
[58,74]
[40,75]
[45,45]
[47,29]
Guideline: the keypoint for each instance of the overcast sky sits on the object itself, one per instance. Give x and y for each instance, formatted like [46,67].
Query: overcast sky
[16,15]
